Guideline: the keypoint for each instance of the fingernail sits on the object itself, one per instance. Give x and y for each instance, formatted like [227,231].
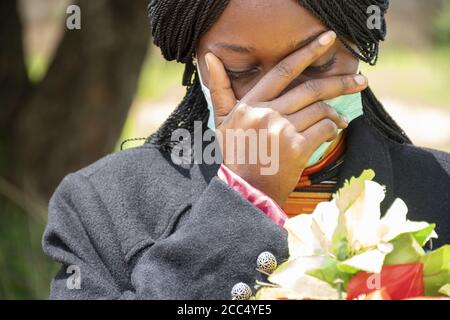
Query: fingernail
[360,79]
[207,57]
[327,38]
[345,119]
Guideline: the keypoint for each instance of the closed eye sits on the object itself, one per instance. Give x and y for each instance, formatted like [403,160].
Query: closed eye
[322,68]
[239,75]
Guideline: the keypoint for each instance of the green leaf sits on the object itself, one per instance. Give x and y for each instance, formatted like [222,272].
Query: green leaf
[339,248]
[421,236]
[347,269]
[330,273]
[436,260]
[445,290]
[406,250]
[436,270]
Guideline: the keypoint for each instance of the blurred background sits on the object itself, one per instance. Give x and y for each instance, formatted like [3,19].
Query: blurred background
[69,97]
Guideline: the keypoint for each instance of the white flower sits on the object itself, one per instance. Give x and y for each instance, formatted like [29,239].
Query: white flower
[352,218]
[311,234]
[394,223]
[292,276]
[363,217]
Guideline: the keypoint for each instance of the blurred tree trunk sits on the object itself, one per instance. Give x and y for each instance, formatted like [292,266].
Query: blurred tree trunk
[76,113]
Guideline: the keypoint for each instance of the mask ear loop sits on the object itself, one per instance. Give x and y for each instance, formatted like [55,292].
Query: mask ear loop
[194,60]
[197,68]
[129,140]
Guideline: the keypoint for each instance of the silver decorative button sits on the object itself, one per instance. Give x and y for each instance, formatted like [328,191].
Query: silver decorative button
[266,262]
[241,291]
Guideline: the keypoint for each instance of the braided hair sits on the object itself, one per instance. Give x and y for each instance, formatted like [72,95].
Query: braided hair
[177,26]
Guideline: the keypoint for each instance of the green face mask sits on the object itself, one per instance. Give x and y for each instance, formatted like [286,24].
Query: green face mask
[349,106]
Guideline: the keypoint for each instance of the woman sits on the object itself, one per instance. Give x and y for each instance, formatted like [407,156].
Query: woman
[136,224]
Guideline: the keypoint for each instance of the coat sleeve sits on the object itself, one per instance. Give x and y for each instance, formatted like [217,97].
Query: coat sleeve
[215,247]
[81,238]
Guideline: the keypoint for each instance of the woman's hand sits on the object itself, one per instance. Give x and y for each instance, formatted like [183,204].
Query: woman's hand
[298,119]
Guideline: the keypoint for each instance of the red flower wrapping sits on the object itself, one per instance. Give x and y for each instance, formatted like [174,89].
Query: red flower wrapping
[399,282]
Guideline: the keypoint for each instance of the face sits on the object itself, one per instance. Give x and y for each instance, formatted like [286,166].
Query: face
[252,36]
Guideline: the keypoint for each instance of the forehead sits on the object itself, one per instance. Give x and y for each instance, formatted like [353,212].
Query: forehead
[263,26]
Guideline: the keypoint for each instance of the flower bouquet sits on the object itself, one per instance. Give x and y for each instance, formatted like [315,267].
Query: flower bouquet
[346,250]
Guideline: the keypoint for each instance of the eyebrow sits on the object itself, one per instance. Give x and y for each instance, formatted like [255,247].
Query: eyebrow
[241,49]
[233,47]
[303,43]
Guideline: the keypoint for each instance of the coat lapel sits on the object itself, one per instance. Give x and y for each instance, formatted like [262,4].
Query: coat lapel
[367,149]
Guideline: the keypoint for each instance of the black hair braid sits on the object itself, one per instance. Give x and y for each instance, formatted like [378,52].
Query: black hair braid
[177,26]
[381,120]
[348,18]
[192,108]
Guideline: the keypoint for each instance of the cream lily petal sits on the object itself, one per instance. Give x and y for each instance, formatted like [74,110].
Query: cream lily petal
[370,261]
[395,223]
[269,293]
[311,234]
[413,226]
[308,288]
[287,272]
[326,216]
[302,240]
[363,217]
[292,276]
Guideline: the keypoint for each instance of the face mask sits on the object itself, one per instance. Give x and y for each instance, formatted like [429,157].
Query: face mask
[348,105]
[207,94]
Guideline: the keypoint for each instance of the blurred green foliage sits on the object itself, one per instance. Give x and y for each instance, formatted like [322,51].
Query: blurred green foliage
[157,76]
[422,76]
[442,25]
[25,272]
[37,67]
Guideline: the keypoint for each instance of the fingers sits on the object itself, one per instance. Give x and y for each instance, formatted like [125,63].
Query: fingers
[222,94]
[318,89]
[314,113]
[324,130]
[277,79]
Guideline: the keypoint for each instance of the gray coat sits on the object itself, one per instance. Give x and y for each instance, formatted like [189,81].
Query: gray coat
[135,226]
